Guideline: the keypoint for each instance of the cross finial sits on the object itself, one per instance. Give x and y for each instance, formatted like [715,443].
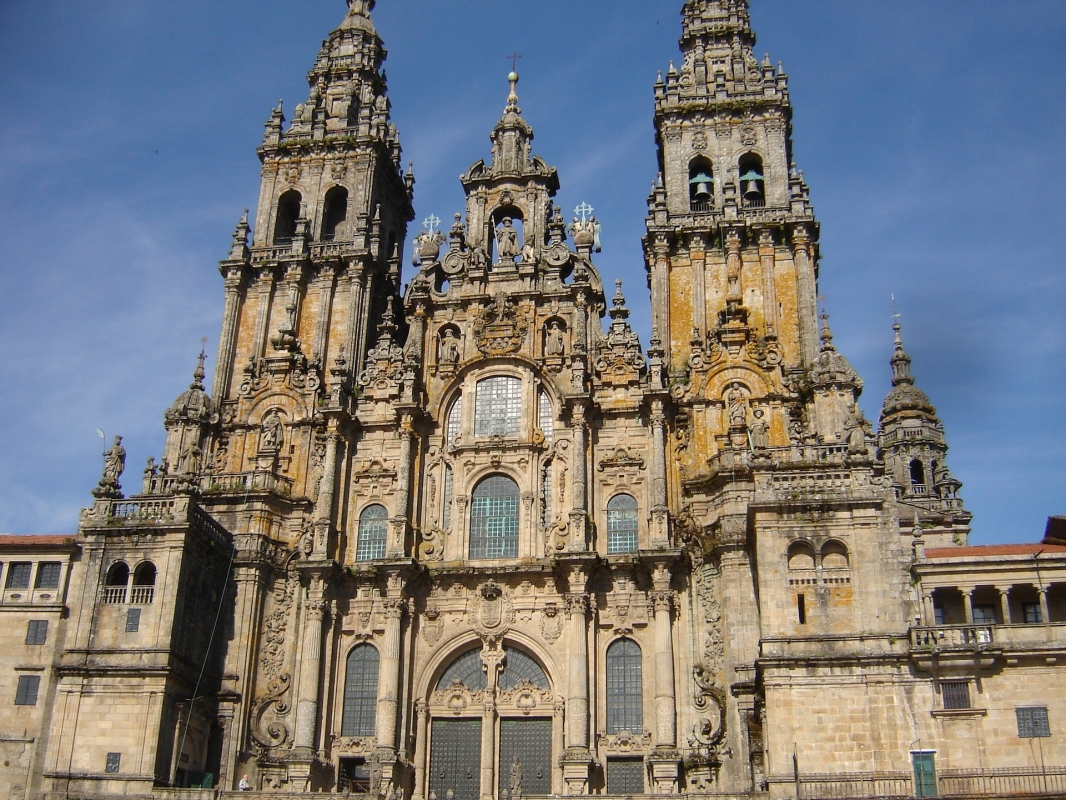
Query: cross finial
[431,223]
[513,58]
[584,211]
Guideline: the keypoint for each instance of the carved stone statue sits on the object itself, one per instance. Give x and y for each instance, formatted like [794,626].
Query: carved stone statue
[449,348]
[738,408]
[516,779]
[855,434]
[760,431]
[189,460]
[272,435]
[507,240]
[114,462]
[555,343]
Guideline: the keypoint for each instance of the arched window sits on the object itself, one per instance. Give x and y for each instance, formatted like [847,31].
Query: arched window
[622,524]
[118,576]
[373,528]
[700,185]
[360,692]
[519,667]
[917,473]
[455,420]
[546,420]
[494,518]
[834,556]
[334,213]
[467,670]
[143,591]
[752,181]
[288,212]
[498,407]
[800,556]
[625,688]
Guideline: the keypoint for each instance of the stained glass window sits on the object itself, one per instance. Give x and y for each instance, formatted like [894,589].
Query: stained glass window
[498,411]
[360,692]
[373,528]
[625,689]
[494,518]
[622,524]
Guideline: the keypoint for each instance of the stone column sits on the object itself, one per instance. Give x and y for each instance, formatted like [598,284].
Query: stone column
[581,324]
[389,674]
[734,265]
[967,605]
[310,672]
[769,292]
[579,482]
[806,290]
[421,732]
[697,257]
[1045,611]
[928,609]
[665,713]
[327,285]
[227,344]
[492,659]
[265,290]
[326,489]
[416,338]
[577,701]
[1004,605]
[403,488]
[558,744]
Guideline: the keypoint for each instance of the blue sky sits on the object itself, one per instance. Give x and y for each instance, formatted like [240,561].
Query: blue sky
[932,135]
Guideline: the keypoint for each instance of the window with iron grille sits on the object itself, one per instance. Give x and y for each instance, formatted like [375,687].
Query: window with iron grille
[18,575]
[360,692]
[498,407]
[494,518]
[113,762]
[48,573]
[467,669]
[622,524]
[956,694]
[373,528]
[546,421]
[26,693]
[625,776]
[455,419]
[1033,722]
[625,688]
[133,620]
[37,631]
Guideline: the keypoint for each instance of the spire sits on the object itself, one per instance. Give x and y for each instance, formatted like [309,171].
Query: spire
[198,374]
[619,310]
[512,136]
[901,362]
[512,98]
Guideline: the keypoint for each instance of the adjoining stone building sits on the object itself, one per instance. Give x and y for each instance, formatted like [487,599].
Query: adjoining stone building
[468,540]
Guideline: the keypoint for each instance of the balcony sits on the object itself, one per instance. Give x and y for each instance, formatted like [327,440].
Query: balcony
[1010,782]
[142,595]
[1034,636]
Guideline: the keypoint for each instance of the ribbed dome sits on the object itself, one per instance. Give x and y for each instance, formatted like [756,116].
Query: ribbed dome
[907,397]
[194,403]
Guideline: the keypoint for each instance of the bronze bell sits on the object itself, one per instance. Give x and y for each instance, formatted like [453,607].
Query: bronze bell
[702,182]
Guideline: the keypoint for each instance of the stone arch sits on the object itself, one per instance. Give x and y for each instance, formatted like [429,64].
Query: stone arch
[801,555]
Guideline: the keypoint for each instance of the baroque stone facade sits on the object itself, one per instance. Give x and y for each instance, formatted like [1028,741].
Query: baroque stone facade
[470,541]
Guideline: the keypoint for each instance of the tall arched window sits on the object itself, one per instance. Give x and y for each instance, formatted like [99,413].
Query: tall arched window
[455,420]
[373,528]
[118,576]
[498,407]
[143,591]
[625,689]
[917,474]
[494,518]
[622,524]
[288,212]
[467,670]
[334,213]
[546,420]
[700,185]
[360,692]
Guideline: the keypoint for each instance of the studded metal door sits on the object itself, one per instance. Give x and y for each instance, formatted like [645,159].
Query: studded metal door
[525,758]
[455,759]
[625,776]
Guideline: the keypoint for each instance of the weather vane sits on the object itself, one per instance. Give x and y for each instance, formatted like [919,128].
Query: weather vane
[584,211]
[431,223]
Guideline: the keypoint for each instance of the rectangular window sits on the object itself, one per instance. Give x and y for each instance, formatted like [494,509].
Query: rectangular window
[1031,614]
[938,616]
[984,615]
[113,762]
[625,776]
[354,776]
[498,407]
[133,620]
[801,609]
[37,631]
[1033,722]
[26,693]
[48,573]
[924,774]
[18,575]
[956,694]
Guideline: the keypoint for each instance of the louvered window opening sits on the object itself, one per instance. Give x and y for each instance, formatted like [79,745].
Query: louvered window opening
[373,528]
[546,421]
[455,420]
[467,669]
[360,692]
[494,519]
[498,409]
[622,524]
[625,688]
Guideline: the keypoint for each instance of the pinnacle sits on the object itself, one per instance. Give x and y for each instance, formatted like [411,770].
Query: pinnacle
[901,362]
[198,374]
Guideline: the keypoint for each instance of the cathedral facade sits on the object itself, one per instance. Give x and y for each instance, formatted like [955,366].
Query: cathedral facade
[455,534]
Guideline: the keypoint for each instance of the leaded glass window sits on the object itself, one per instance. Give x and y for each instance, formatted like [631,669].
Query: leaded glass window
[546,493]
[498,410]
[373,528]
[521,667]
[48,573]
[455,420]
[360,692]
[1033,722]
[467,670]
[446,517]
[625,689]
[622,524]
[546,421]
[494,518]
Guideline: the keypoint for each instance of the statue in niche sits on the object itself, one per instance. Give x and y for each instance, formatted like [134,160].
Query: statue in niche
[760,431]
[555,342]
[271,436]
[507,240]
[449,348]
[189,460]
[738,408]
[114,462]
[855,434]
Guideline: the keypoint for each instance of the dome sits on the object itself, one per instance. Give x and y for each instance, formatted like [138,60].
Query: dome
[194,403]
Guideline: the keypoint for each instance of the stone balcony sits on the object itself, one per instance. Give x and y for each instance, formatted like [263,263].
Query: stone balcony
[932,647]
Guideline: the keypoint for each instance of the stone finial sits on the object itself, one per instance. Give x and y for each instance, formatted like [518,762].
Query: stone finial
[619,310]
[512,97]
[901,362]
